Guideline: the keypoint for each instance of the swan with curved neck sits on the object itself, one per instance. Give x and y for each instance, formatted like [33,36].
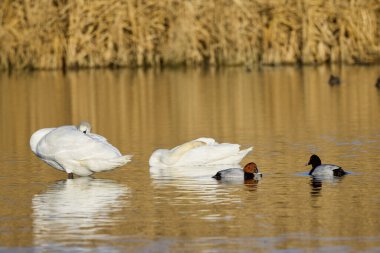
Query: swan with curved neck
[75,150]
[199,152]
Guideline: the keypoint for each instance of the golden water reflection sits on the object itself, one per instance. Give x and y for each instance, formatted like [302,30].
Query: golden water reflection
[286,113]
[144,108]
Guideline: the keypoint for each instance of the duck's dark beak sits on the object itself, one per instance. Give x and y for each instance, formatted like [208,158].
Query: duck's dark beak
[307,164]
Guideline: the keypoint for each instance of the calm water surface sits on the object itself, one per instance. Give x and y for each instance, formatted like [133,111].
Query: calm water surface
[285,113]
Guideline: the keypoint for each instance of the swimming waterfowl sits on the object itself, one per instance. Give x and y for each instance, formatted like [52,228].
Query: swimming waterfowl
[378,82]
[333,80]
[75,150]
[319,169]
[199,152]
[250,171]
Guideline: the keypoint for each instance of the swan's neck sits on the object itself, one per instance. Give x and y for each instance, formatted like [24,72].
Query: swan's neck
[179,151]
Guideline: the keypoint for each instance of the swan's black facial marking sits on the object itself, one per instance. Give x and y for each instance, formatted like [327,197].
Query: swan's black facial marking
[84,127]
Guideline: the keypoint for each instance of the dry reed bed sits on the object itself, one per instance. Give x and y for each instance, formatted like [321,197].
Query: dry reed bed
[50,34]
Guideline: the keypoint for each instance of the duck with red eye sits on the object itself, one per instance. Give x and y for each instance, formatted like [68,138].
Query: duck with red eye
[319,169]
[250,171]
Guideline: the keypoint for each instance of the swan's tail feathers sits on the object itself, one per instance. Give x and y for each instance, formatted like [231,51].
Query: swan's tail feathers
[127,158]
[234,159]
[242,153]
[122,160]
[245,152]
[108,164]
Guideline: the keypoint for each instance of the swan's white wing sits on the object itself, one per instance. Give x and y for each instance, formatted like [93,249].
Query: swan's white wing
[78,152]
[69,143]
[103,140]
[97,137]
[234,159]
[210,154]
[37,137]
[202,151]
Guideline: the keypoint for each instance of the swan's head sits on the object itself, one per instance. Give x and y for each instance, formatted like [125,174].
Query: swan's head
[314,161]
[37,136]
[84,127]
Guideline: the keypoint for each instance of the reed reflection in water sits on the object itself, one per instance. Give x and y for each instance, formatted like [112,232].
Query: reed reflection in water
[284,113]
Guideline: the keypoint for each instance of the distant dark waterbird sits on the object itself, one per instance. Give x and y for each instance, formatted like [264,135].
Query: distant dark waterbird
[334,80]
[378,83]
[319,169]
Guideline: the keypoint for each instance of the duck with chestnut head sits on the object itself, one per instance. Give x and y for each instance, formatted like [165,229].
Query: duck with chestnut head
[250,171]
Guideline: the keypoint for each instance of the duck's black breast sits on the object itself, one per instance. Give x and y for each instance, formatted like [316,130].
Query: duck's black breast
[218,176]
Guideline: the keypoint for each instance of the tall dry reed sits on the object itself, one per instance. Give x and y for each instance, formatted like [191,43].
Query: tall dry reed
[50,34]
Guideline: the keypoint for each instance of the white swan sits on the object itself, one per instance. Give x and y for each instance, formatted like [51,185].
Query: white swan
[76,150]
[199,152]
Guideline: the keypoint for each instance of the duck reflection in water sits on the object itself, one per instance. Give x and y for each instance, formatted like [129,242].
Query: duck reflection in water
[75,208]
[196,183]
[316,183]
[316,186]
[334,80]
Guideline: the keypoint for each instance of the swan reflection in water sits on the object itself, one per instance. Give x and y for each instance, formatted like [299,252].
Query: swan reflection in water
[76,209]
[181,174]
[198,181]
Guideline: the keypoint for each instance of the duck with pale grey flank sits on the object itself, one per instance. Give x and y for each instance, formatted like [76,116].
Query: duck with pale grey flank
[199,152]
[75,150]
[250,171]
[319,169]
